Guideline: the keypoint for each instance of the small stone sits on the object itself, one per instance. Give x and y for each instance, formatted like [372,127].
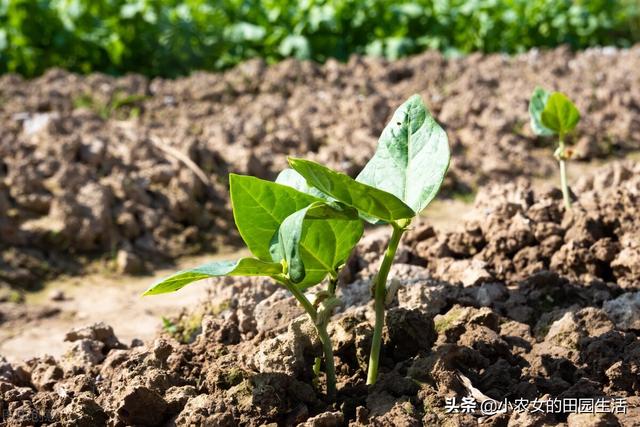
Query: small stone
[97,332]
[624,311]
[57,295]
[128,263]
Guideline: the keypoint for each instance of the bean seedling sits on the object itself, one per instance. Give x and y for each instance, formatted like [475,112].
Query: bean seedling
[399,181]
[554,114]
[297,237]
[302,228]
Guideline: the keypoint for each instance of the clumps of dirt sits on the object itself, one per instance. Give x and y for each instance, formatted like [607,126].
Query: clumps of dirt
[495,329]
[75,188]
[518,232]
[238,371]
[97,165]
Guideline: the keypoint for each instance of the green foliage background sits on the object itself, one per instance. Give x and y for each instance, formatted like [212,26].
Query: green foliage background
[170,37]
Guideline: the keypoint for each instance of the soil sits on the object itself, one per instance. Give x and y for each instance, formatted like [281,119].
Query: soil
[487,311]
[519,230]
[37,325]
[134,170]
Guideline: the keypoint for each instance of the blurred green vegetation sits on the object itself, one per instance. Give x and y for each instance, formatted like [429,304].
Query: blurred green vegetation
[171,38]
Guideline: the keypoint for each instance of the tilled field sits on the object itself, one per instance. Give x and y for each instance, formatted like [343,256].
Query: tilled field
[530,302]
[136,169]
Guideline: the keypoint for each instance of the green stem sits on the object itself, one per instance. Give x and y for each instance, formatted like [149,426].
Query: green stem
[329,366]
[379,295]
[333,283]
[321,328]
[563,176]
[303,300]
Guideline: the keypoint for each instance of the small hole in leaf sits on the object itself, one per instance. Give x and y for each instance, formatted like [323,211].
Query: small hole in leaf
[399,124]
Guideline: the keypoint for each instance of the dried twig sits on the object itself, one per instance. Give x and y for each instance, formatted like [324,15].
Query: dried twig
[161,145]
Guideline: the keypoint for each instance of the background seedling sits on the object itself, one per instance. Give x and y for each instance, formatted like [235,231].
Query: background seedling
[401,179]
[555,114]
[296,237]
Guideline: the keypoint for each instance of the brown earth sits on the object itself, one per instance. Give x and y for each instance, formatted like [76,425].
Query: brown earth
[135,170]
[37,325]
[492,326]
[520,230]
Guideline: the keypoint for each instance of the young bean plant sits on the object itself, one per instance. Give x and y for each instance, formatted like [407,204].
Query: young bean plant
[302,228]
[399,181]
[297,237]
[554,114]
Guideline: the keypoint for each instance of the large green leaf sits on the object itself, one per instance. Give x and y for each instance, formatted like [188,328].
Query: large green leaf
[241,267]
[559,114]
[536,107]
[370,201]
[259,207]
[412,157]
[317,240]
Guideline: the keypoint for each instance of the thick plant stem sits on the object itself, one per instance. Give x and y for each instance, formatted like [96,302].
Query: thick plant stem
[321,328]
[379,296]
[563,176]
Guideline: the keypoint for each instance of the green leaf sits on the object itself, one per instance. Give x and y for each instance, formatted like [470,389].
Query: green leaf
[559,114]
[326,246]
[242,267]
[259,207]
[293,179]
[316,241]
[536,106]
[412,157]
[370,201]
